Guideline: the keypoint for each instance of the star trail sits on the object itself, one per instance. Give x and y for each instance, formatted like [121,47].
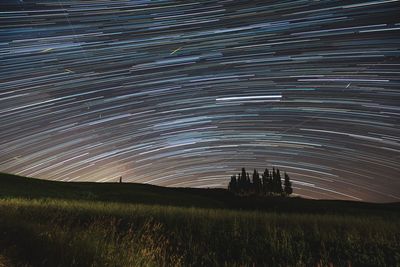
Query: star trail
[185,93]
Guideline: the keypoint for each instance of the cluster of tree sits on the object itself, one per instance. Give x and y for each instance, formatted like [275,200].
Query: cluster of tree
[269,183]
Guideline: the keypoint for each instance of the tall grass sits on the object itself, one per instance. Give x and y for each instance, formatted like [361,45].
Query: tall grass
[78,233]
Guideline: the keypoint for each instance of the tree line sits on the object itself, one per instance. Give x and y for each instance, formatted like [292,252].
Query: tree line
[269,183]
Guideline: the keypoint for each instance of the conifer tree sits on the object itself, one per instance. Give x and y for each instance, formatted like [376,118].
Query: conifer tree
[269,183]
[256,182]
[244,173]
[265,182]
[248,183]
[279,182]
[242,182]
[233,184]
[274,185]
[288,185]
[238,183]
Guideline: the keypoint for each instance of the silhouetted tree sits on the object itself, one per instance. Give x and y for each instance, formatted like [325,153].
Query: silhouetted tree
[265,182]
[279,182]
[243,182]
[288,185]
[274,181]
[233,186]
[270,183]
[240,183]
[244,176]
[257,185]
[248,186]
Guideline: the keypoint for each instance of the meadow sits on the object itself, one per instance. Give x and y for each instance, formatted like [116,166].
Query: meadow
[57,226]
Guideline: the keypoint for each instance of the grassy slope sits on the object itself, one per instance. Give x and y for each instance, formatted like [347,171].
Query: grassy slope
[22,187]
[44,223]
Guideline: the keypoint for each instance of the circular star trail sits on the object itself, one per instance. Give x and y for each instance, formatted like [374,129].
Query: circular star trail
[186,93]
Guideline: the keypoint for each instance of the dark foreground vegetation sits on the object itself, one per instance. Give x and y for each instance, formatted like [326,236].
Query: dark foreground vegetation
[84,224]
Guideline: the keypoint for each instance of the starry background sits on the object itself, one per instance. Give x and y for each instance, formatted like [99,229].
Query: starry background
[185,93]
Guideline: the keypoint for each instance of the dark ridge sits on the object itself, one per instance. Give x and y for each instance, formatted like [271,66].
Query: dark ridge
[13,186]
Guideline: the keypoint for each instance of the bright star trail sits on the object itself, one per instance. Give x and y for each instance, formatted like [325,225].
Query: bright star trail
[186,93]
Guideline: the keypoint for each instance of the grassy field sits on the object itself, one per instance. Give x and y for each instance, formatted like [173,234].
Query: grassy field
[46,223]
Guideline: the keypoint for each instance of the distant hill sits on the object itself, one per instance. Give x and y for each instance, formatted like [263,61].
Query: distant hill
[12,186]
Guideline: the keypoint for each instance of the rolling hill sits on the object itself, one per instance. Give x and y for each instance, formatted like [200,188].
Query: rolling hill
[47,223]
[22,187]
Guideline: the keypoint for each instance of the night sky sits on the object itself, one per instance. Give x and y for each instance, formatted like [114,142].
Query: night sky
[184,94]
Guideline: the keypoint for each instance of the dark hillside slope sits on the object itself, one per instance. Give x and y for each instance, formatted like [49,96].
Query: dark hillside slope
[12,186]
[22,187]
